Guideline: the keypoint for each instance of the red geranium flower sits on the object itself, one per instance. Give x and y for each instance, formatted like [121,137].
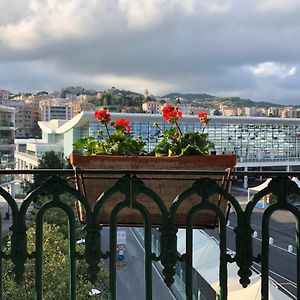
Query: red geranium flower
[171,114]
[122,124]
[203,117]
[103,116]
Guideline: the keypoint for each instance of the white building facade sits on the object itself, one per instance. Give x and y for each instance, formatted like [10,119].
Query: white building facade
[151,107]
[55,109]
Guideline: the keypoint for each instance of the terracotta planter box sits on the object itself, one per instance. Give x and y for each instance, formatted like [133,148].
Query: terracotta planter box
[166,186]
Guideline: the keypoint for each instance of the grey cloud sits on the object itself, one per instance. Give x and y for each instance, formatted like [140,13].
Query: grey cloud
[193,47]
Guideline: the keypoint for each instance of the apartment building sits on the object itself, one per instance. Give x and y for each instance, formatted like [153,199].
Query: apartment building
[188,109]
[229,111]
[273,112]
[26,118]
[81,104]
[151,107]
[56,108]
[288,112]
[7,146]
[4,94]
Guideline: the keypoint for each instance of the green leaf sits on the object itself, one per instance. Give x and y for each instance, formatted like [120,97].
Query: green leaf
[191,143]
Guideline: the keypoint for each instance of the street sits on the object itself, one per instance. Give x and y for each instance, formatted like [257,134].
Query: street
[282,264]
[130,278]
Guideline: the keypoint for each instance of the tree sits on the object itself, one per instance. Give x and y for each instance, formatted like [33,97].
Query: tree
[55,272]
[55,246]
[56,216]
[50,160]
[217,112]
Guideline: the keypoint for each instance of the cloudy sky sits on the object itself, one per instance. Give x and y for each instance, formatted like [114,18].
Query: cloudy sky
[246,48]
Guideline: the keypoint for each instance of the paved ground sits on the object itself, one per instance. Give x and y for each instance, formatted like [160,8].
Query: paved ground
[282,229]
[130,278]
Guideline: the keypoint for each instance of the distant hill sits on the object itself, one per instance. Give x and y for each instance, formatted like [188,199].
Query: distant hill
[207,100]
[234,102]
[119,100]
[124,93]
[189,97]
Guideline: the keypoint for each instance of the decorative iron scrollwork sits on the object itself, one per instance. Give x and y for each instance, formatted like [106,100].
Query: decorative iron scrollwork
[243,255]
[168,256]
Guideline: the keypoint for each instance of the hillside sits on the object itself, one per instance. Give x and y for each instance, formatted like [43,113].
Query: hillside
[206,100]
[124,93]
[190,96]
[119,100]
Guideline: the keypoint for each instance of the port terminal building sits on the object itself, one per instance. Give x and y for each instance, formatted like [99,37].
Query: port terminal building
[261,143]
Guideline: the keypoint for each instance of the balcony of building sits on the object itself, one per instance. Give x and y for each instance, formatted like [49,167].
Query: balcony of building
[162,258]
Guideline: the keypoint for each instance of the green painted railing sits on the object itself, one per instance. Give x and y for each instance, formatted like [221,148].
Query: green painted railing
[130,186]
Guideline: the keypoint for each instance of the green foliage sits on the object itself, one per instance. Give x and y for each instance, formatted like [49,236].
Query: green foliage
[118,143]
[50,160]
[190,143]
[116,99]
[209,101]
[217,112]
[231,102]
[189,96]
[55,272]
[86,145]
[57,216]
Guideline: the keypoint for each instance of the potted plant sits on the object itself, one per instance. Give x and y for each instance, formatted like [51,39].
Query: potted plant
[176,143]
[118,143]
[175,151]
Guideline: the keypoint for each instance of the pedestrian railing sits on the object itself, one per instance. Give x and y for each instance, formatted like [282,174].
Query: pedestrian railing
[129,186]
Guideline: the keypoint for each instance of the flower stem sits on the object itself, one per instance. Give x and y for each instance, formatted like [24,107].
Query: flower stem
[178,129]
[107,130]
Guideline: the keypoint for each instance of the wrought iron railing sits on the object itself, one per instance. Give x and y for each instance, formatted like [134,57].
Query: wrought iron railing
[129,186]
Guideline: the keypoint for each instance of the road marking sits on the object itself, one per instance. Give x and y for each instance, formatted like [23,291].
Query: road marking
[157,271]
[292,283]
[281,284]
[278,247]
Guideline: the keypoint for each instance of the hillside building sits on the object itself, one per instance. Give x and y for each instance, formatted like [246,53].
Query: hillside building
[55,109]
[152,107]
[4,94]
